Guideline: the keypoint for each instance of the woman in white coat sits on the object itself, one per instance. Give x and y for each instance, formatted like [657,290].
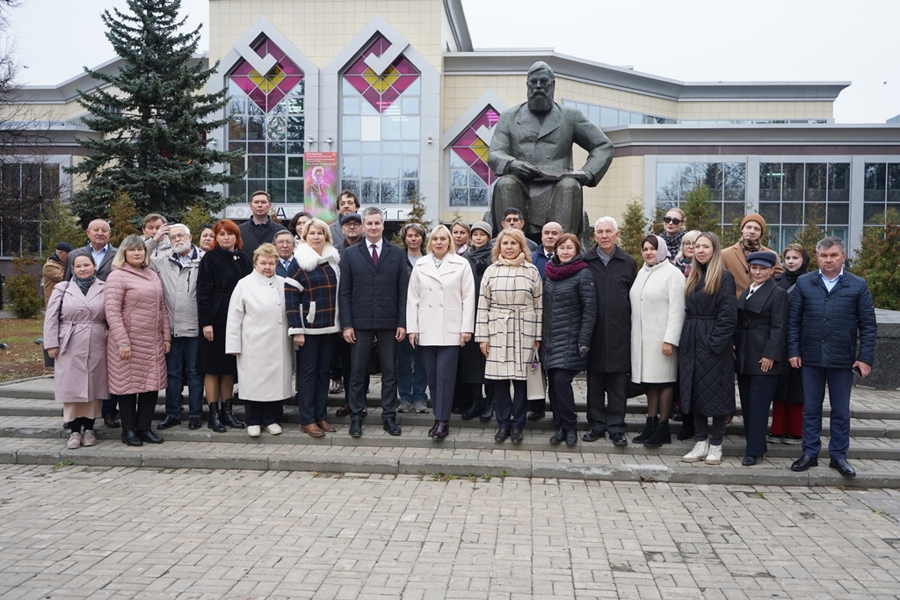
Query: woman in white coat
[257,334]
[657,315]
[440,318]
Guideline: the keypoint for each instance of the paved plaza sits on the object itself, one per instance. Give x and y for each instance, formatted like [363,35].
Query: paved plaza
[119,532]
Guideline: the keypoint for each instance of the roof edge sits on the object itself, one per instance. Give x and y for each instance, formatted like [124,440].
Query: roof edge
[457,17]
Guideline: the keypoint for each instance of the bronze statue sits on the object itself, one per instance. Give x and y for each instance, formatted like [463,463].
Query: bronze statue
[531,151]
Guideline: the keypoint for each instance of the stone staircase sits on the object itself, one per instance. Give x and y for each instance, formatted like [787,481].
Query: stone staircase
[31,433]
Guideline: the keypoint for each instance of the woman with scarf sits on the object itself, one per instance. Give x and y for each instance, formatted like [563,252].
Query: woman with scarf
[787,408]
[471,360]
[673,231]
[686,252]
[657,315]
[570,310]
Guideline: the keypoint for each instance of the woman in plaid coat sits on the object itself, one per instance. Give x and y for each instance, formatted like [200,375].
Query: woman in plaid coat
[508,327]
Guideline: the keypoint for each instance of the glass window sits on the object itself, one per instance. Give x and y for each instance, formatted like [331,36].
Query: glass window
[470,174]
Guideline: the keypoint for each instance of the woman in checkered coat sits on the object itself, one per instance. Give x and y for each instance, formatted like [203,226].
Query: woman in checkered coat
[508,327]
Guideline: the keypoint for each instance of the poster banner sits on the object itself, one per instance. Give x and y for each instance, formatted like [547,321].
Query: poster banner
[320,185]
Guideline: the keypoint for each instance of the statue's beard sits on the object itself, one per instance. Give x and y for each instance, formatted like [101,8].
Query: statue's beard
[540,103]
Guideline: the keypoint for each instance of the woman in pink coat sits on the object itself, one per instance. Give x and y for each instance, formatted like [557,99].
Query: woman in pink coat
[75,335]
[138,339]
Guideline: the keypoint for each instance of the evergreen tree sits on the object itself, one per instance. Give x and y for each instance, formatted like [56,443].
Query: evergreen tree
[633,229]
[59,225]
[154,119]
[415,215]
[809,235]
[878,261]
[699,210]
[122,218]
[195,218]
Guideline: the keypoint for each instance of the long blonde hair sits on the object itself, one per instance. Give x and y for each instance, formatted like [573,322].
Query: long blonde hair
[714,268]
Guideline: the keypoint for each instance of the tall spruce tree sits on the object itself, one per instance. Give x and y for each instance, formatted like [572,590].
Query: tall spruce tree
[154,117]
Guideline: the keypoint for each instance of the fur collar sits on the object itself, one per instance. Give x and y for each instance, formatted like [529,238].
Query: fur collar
[308,259]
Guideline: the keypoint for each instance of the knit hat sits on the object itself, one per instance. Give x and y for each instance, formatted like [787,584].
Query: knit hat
[483,226]
[64,246]
[754,217]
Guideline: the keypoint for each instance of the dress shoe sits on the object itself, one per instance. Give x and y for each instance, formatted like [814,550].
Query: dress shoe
[433,427]
[516,436]
[536,415]
[559,437]
[843,467]
[390,425]
[149,437]
[167,423]
[313,430]
[326,426]
[88,439]
[441,431]
[593,435]
[343,411]
[336,387]
[501,434]
[254,430]
[748,461]
[274,428]
[804,462]
[111,422]
[619,438]
[195,423]
[571,438]
[355,426]
[130,438]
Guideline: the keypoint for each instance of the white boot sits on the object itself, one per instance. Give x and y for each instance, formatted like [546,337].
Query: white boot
[701,449]
[715,455]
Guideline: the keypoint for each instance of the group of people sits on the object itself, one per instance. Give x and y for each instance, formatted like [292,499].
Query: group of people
[465,316]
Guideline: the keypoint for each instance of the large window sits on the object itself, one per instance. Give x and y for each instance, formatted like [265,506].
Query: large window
[726,182]
[381,129]
[470,175]
[882,192]
[605,116]
[792,194]
[24,188]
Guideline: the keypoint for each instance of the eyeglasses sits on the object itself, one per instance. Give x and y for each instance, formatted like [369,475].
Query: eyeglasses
[688,244]
[351,224]
[284,242]
[177,236]
[672,221]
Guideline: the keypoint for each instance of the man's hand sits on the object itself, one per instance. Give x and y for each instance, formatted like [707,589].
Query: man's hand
[765,364]
[208,332]
[523,170]
[796,362]
[161,233]
[864,368]
[401,333]
[349,335]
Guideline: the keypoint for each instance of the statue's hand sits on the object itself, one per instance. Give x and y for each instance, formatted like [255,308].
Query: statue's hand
[523,170]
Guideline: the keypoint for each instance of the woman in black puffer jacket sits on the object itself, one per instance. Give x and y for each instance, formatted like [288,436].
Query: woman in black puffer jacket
[570,309]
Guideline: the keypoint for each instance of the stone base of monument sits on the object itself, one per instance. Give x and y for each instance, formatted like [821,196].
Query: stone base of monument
[886,373]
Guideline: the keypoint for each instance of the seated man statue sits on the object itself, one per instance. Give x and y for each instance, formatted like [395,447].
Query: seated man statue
[531,151]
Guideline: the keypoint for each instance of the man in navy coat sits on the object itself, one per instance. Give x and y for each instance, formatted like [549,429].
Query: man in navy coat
[372,302]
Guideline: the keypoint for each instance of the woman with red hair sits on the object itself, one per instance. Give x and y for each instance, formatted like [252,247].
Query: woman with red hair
[220,270]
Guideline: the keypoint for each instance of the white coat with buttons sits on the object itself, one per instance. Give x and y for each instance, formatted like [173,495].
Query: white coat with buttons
[441,300]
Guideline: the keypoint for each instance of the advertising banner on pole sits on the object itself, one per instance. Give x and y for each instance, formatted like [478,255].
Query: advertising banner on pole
[320,185]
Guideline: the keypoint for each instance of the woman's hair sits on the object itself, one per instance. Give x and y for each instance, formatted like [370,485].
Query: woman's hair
[296,219]
[689,236]
[714,268]
[515,234]
[130,243]
[320,225]
[652,239]
[267,249]
[229,226]
[460,224]
[568,237]
[441,229]
[415,227]
[798,248]
[680,212]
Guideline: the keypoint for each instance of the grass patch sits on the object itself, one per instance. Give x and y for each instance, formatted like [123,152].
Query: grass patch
[23,358]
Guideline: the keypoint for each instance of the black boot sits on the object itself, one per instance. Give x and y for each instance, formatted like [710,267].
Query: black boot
[487,411]
[661,435]
[227,417]
[214,423]
[648,430]
[687,427]
[477,403]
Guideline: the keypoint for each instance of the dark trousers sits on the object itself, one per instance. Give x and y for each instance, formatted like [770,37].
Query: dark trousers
[562,399]
[702,430]
[412,379]
[181,357]
[359,360]
[606,398]
[757,392]
[141,419]
[263,413]
[440,364]
[313,366]
[840,382]
[510,412]
[109,408]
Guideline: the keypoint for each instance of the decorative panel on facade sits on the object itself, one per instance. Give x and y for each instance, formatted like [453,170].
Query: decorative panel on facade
[470,175]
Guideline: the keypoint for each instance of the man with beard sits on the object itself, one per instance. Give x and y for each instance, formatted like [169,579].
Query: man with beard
[531,151]
[177,272]
[734,258]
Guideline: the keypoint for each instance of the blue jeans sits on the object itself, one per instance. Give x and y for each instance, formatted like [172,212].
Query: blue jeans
[412,381]
[183,354]
[840,382]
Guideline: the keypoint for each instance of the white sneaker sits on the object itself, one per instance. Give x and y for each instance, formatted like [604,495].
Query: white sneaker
[74,442]
[88,438]
[701,449]
[254,430]
[405,406]
[715,455]
[274,428]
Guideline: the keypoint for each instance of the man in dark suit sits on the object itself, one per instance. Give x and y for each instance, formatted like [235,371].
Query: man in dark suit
[374,280]
[610,357]
[284,245]
[102,253]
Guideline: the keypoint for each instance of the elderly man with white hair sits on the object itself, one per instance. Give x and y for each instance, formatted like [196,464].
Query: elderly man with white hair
[177,270]
[614,271]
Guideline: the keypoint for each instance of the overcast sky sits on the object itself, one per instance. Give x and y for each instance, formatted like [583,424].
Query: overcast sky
[688,40]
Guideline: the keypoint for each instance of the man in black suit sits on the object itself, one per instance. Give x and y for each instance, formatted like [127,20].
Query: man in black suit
[374,280]
[102,253]
[284,245]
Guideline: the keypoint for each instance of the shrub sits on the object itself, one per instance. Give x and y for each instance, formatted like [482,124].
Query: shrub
[24,296]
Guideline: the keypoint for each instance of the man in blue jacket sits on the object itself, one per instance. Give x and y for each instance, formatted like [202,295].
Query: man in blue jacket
[372,302]
[829,308]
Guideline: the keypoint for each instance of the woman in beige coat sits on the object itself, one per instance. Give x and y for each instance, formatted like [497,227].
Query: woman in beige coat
[75,335]
[138,339]
[508,327]
[657,314]
[257,334]
[440,317]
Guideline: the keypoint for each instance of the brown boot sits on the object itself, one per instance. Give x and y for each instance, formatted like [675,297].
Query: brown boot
[313,430]
[326,426]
